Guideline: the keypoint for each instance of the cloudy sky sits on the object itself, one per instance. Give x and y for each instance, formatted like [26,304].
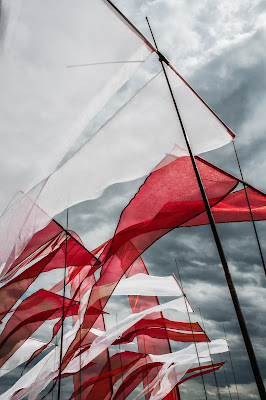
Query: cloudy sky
[219,48]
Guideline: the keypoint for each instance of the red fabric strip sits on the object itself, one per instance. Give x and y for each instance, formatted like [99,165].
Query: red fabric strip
[160,205]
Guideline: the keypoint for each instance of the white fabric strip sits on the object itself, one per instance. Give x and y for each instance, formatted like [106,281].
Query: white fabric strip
[107,338]
[49,103]
[148,285]
[137,138]
[176,364]
[22,354]
[49,371]
[38,377]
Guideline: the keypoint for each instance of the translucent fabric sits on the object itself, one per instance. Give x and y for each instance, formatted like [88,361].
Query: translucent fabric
[39,376]
[164,205]
[234,208]
[147,285]
[28,316]
[146,343]
[134,377]
[18,224]
[72,254]
[204,369]
[205,131]
[132,138]
[116,366]
[52,102]
[158,333]
[15,288]
[137,137]
[22,354]
[107,338]
[177,364]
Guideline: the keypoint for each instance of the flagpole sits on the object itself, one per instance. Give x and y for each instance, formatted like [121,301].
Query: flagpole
[250,210]
[190,323]
[240,317]
[63,318]
[214,373]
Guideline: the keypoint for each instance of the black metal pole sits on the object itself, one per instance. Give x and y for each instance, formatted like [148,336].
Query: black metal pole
[214,373]
[63,317]
[231,362]
[240,317]
[190,323]
[250,210]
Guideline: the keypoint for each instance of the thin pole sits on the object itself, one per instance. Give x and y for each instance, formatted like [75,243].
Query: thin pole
[250,210]
[214,372]
[79,350]
[231,363]
[158,371]
[63,317]
[122,376]
[185,299]
[231,286]
[226,380]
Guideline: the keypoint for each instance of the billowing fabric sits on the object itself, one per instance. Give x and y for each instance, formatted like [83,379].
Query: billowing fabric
[43,373]
[15,288]
[22,354]
[234,208]
[17,226]
[162,333]
[52,102]
[116,366]
[147,285]
[75,255]
[28,316]
[164,205]
[137,143]
[49,364]
[146,344]
[136,138]
[40,244]
[107,338]
[138,372]
[204,369]
[204,129]
[79,285]
[177,364]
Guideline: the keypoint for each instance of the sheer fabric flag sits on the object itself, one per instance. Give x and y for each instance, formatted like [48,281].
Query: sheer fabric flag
[38,46]
[22,354]
[40,245]
[132,138]
[137,137]
[28,317]
[67,97]
[234,208]
[164,206]
[113,369]
[177,364]
[107,338]
[49,259]
[146,343]
[45,370]
[147,285]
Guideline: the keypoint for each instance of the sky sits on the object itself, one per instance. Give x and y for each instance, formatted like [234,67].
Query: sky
[219,48]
